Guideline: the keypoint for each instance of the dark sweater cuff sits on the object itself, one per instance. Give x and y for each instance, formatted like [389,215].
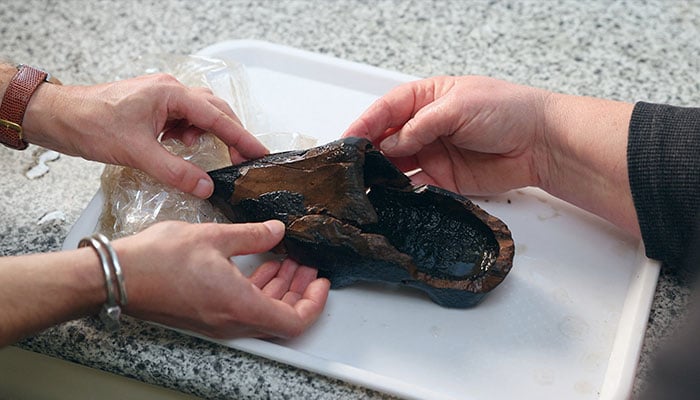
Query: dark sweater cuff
[663,156]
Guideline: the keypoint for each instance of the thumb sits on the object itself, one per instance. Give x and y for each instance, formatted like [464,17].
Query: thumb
[174,171]
[249,238]
[426,126]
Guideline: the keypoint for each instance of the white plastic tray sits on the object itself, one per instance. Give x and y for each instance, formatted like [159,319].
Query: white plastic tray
[567,323]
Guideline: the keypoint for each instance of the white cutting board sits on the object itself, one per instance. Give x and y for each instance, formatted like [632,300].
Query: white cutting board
[567,322]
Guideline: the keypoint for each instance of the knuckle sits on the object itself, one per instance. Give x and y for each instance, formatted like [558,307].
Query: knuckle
[203,90]
[183,232]
[166,78]
[219,121]
[167,226]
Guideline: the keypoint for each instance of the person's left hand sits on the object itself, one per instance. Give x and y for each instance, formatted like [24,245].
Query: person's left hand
[120,122]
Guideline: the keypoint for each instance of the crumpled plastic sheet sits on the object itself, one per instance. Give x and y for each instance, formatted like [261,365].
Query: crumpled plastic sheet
[133,200]
[226,79]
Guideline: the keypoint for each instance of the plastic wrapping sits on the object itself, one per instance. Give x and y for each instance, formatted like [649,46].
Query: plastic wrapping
[134,200]
[226,79]
[283,141]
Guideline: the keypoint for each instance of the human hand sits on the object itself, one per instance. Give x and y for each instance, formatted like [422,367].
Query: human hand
[180,275]
[119,123]
[472,135]
[477,135]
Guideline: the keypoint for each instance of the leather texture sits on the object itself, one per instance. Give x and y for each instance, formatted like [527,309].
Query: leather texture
[14,104]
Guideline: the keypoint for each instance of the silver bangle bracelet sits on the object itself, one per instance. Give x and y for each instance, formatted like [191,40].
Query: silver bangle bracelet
[111,310]
[115,265]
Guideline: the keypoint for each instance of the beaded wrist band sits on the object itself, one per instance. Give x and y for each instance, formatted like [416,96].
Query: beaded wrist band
[111,311]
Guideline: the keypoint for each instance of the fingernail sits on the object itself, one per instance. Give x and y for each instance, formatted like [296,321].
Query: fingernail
[389,143]
[203,189]
[276,227]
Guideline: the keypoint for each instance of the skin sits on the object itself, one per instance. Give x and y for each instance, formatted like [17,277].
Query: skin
[176,273]
[119,123]
[477,136]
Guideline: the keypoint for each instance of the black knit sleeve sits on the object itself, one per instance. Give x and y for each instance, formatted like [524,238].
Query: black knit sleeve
[663,156]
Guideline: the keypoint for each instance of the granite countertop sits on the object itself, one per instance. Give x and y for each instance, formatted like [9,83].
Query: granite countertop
[637,50]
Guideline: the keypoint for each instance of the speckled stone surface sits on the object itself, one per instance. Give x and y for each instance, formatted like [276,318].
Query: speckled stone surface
[625,50]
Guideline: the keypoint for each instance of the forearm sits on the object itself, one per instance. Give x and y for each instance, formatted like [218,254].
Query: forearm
[587,165]
[42,290]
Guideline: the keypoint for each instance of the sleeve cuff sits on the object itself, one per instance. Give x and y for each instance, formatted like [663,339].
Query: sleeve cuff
[663,158]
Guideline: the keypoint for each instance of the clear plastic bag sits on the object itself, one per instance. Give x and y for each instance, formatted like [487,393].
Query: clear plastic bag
[133,200]
[226,79]
[284,141]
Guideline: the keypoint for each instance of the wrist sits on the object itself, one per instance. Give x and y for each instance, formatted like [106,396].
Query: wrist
[17,92]
[551,145]
[40,118]
[115,287]
[542,145]
[90,274]
[586,142]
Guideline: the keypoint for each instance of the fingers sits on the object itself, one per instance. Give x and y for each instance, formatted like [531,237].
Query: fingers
[264,273]
[214,116]
[410,116]
[280,283]
[302,278]
[284,319]
[290,298]
[422,178]
[391,110]
[406,164]
[236,157]
[286,280]
[250,238]
[182,131]
[172,170]
[310,306]
[437,119]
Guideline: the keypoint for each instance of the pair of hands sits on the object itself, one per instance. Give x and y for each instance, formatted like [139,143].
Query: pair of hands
[180,274]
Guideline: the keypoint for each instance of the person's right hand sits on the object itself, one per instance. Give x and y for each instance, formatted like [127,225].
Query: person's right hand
[181,275]
[472,135]
[119,123]
[477,135]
